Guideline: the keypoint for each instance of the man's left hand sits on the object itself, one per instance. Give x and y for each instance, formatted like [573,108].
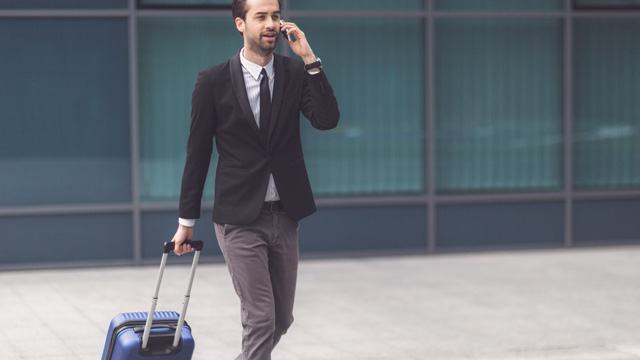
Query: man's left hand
[301,46]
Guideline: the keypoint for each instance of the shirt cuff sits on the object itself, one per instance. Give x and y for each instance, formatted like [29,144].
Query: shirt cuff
[314,72]
[187,222]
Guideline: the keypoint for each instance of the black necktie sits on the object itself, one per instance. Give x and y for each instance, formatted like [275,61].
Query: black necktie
[265,105]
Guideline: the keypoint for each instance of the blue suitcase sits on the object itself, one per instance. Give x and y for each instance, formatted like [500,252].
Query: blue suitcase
[164,336]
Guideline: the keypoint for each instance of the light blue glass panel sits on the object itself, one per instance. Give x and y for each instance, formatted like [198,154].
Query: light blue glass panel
[498,5]
[64,111]
[171,52]
[63,4]
[499,115]
[376,68]
[356,5]
[606,108]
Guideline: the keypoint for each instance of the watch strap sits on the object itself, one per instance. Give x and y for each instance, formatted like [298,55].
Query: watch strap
[314,65]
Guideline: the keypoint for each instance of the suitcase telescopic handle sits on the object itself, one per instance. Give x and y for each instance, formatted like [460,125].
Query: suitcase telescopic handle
[166,249]
[170,245]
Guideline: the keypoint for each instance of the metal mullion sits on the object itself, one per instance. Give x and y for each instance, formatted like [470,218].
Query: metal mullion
[64,265]
[80,209]
[568,125]
[372,201]
[607,195]
[183,13]
[500,198]
[285,50]
[497,14]
[188,260]
[430,129]
[171,206]
[61,13]
[605,14]
[355,14]
[134,134]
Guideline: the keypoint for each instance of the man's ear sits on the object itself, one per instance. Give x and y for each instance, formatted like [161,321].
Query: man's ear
[240,25]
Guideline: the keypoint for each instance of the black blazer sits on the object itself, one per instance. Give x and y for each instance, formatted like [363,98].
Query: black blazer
[220,108]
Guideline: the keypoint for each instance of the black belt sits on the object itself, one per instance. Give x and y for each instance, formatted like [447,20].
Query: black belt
[273,206]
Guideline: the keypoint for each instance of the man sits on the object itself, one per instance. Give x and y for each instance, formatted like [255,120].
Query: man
[261,188]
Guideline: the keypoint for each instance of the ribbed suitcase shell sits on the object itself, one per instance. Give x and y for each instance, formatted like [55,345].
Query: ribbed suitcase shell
[125,334]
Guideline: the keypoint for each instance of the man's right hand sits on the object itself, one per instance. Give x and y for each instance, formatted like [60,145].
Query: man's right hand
[183,234]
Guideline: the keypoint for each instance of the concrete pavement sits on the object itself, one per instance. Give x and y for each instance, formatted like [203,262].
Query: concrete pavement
[575,304]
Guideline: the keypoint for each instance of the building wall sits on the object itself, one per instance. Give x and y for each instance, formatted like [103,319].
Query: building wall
[466,125]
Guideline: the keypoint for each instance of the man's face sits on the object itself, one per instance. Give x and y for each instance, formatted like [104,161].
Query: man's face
[261,25]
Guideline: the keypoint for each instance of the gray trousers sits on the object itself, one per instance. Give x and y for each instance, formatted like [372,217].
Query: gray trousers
[263,262]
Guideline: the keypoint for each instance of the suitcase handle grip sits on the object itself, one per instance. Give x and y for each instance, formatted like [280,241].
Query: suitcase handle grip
[170,245]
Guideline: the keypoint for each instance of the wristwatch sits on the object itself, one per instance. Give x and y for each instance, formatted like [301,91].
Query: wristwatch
[313,65]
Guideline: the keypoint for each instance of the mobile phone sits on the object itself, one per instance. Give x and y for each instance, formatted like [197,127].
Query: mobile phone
[284,32]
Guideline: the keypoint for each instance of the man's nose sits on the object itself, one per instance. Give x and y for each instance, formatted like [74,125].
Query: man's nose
[271,24]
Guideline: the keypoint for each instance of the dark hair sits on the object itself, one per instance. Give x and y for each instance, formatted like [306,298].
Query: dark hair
[239,8]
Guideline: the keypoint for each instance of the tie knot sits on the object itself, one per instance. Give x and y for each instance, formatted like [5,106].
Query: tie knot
[264,72]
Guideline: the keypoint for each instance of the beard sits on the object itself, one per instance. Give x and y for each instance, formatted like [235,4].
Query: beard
[257,45]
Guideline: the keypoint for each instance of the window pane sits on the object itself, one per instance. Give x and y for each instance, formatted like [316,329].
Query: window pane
[367,229]
[498,5]
[498,105]
[63,4]
[500,225]
[171,53]
[58,238]
[606,109]
[64,110]
[606,222]
[356,5]
[378,79]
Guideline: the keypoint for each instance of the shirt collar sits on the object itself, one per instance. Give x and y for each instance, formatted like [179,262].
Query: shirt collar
[255,69]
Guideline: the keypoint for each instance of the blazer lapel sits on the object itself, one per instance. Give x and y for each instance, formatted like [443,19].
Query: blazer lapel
[278,92]
[237,79]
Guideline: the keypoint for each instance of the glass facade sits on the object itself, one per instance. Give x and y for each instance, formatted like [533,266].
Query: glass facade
[378,148]
[454,132]
[171,53]
[606,110]
[498,104]
[64,110]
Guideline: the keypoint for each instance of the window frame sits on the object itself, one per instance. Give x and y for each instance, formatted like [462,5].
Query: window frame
[176,5]
[575,4]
